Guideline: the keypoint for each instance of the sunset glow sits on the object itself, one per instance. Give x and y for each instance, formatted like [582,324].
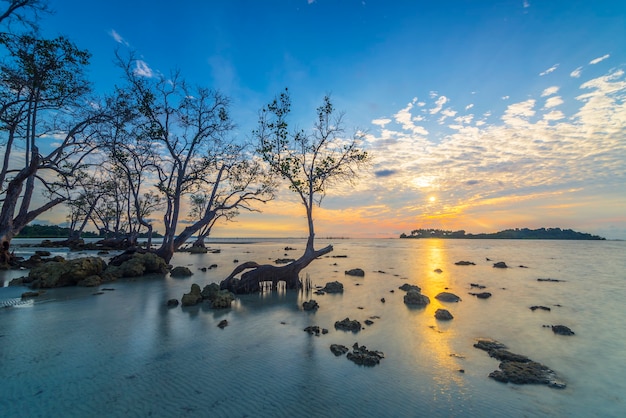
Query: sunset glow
[515,119]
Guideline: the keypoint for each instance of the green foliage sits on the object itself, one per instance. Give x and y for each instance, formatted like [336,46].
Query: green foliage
[50,231]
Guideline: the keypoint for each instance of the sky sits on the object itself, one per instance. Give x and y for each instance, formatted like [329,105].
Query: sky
[480,115]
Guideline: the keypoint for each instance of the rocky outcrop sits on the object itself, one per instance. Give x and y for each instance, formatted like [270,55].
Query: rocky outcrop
[181,271]
[333,287]
[406,287]
[135,264]
[355,272]
[193,297]
[310,305]
[415,298]
[348,325]
[362,356]
[518,369]
[65,273]
[562,330]
[443,314]
[339,349]
[219,299]
[447,297]
[315,330]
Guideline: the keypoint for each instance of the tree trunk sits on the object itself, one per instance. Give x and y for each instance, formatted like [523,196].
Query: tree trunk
[250,280]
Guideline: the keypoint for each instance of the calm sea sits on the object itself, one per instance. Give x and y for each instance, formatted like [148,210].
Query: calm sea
[71,353]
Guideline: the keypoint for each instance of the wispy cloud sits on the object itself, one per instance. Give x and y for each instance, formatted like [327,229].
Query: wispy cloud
[576,73]
[438,105]
[550,91]
[549,70]
[469,106]
[142,69]
[599,59]
[553,102]
[117,37]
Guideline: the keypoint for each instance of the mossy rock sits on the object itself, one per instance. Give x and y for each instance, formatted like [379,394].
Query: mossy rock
[181,271]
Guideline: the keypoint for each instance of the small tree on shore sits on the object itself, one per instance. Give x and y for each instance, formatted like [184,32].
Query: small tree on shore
[309,163]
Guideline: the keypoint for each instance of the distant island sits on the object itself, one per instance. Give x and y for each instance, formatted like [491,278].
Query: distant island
[517,233]
[55,231]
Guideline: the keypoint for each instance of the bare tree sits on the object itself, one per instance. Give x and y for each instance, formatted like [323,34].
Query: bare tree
[189,129]
[26,12]
[310,163]
[48,125]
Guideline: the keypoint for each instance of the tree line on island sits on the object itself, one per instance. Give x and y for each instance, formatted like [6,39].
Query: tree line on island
[517,233]
[118,160]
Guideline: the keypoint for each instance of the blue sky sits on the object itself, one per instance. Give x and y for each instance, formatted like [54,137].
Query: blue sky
[481,115]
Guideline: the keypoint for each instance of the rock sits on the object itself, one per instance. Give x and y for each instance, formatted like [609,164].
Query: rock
[500,265]
[223,323]
[413,297]
[181,271]
[310,305]
[478,286]
[562,330]
[443,314]
[482,295]
[223,299]
[355,272]
[550,280]
[543,308]
[135,265]
[348,325]
[313,329]
[465,263]
[438,271]
[382,300]
[369,322]
[362,356]
[333,287]
[516,368]
[91,281]
[172,303]
[28,295]
[447,297]
[338,349]
[197,250]
[193,297]
[406,287]
[66,273]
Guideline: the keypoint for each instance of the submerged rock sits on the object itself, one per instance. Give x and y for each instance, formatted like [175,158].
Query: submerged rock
[310,305]
[134,265]
[65,273]
[181,271]
[465,263]
[447,297]
[338,349]
[193,297]
[481,295]
[355,272]
[333,287]
[223,324]
[500,265]
[413,297]
[406,287]
[362,356]
[348,325]
[443,314]
[172,303]
[562,330]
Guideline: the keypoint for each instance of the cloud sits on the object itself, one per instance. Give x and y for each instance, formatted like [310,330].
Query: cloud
[599,59]
[553,115]
[406,119]
[553,102]
[549,70]
[526,4]
[469,106]
[576,73]
[550,91]
[385,173]
[142,69]
[117,37]
[438,105]
[506,97]
[381,122]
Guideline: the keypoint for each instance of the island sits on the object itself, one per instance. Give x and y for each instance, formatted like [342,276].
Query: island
[517,233]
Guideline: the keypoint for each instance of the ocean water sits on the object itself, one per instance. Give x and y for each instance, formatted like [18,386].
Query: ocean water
[71,353]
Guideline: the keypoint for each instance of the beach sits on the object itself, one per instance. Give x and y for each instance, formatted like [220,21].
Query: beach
[123,352]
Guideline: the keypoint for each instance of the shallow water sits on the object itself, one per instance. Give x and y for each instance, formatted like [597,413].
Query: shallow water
[123,353]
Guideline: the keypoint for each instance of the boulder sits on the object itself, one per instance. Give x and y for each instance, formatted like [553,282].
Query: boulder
[193,297]
[562,330]
[443,314]
[406,287]
[219,298]
[65,273]
[465,263]
[181,271]
[313,330]
[310,305]
[223,324]
[172,303]
[500,265]
[333,287]
[447,297]
[348,325]
[413,297]
[355,272]
[338,349]
[481,295]
[362,356]
[135,265]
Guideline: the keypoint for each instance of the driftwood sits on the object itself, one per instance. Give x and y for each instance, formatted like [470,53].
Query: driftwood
[250,280]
